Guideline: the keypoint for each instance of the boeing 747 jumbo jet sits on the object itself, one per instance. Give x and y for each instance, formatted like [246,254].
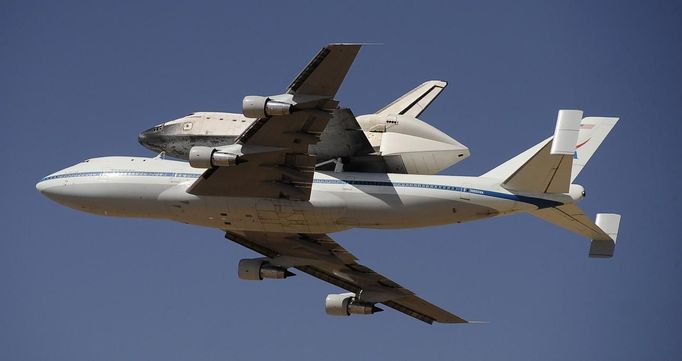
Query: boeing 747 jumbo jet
[264,193]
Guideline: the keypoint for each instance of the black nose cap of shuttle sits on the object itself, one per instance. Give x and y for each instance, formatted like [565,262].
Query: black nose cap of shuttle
[149,138]
[142,137]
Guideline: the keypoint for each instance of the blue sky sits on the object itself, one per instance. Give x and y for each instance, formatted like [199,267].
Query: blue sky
[81,79]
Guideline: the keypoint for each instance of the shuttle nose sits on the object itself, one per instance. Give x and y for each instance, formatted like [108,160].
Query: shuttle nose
[151,138]
[144,136]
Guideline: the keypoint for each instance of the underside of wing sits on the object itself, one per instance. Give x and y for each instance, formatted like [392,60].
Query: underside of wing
[343,137]
[320,256]
[274,160]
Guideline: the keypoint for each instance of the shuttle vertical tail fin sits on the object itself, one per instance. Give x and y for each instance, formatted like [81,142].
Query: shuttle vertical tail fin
[416,100]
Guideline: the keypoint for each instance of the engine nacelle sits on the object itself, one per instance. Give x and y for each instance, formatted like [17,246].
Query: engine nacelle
[345,304]
[207,157]
[258,107]
[259,269]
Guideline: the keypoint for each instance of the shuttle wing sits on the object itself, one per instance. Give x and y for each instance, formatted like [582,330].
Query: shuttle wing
[320,256]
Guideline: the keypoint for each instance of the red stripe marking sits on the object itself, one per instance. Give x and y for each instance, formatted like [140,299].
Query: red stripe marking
[583,143]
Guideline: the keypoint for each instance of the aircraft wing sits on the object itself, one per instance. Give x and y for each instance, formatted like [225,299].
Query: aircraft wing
[275,160]
[325,73]
[280,167]
[320,256]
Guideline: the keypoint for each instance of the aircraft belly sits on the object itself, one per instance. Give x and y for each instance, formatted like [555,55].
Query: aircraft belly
[318,215]
[411,211]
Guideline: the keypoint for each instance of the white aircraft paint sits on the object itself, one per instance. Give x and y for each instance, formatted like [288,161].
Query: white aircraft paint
[156,188]
[292,233]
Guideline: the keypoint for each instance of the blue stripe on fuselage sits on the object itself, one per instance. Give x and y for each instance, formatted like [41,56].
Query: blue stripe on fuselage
[539,202]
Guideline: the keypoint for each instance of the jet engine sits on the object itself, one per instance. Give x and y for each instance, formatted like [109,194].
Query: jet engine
[207,157]
[259,269]
[345,304]
[258,107]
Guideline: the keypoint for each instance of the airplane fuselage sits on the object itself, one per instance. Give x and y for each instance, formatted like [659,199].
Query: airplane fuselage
[156,188]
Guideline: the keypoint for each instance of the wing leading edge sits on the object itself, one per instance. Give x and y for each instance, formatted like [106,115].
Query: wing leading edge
[320,256]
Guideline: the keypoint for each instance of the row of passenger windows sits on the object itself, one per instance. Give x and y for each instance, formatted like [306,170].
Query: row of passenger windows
[323,181]
[129,174]
[397,184]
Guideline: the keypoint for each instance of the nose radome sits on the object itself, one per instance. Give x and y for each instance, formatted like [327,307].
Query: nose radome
[49,190]
[41,186]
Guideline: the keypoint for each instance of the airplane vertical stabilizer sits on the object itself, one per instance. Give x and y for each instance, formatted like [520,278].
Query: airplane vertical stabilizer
[593,131]
[553,164]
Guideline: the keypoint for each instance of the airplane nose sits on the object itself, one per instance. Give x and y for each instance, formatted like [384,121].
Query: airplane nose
[41,186]
[49,190]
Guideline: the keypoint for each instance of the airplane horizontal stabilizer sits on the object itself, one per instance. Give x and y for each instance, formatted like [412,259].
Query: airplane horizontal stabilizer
[603,232]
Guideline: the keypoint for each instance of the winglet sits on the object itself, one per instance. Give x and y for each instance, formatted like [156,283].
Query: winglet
[603,248]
